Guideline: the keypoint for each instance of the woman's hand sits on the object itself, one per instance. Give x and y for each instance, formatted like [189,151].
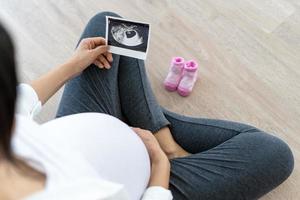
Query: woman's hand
[155,152]
[160,165]
[91,50]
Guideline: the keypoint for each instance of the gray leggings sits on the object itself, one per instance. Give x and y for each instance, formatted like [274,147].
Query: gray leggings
[229,160]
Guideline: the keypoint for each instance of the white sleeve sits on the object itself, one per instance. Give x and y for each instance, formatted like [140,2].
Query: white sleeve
[157,193]
[28,103]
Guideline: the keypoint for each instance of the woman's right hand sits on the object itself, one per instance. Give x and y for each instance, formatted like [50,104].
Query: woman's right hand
[160,165]
[91,50]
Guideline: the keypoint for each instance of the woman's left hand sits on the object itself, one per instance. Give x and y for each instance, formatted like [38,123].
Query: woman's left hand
[91,51]
[155,152]
[160,165]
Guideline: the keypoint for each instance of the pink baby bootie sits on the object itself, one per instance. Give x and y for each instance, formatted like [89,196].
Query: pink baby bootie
[175,74]
[188,79]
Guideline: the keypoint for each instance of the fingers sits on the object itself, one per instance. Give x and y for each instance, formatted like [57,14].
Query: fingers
[103,56]
[100,50]
[98,40]
[141,132]
[98,64]
[108,56]
[104,61]
[92,43]
[136,130]
[103,50]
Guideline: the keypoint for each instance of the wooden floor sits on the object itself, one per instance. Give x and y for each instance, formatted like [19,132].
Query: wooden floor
[249,55]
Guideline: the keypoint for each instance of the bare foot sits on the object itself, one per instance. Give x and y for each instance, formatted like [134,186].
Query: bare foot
[169,145]
[178,153]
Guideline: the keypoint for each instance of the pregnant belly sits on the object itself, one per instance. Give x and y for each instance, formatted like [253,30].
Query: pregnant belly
[107,144]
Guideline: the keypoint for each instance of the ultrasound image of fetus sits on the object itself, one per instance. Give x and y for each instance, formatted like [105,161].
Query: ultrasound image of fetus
[127,35]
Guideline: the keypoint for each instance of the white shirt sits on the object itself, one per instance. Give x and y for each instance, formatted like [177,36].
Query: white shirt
[88,156]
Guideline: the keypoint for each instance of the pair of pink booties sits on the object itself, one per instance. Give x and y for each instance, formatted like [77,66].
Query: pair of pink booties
[182,76]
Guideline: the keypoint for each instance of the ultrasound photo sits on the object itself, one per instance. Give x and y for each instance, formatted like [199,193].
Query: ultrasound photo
[128,38]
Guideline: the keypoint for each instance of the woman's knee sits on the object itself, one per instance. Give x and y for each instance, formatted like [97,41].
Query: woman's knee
[267,161]
[285,157]
[102,15]
[273,155]
[96,25]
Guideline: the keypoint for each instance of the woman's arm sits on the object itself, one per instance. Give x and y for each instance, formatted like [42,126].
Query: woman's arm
[48,84]
[160,165]
[160,172]
[89,50]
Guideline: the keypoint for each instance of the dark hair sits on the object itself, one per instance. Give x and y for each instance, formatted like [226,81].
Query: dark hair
[8,93]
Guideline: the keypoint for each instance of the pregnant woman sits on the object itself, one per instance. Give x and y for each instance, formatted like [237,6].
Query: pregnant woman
[111,140]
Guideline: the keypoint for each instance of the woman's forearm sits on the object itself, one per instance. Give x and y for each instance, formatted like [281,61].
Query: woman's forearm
[47,85]
[90,50]
[160,173]
[160,164]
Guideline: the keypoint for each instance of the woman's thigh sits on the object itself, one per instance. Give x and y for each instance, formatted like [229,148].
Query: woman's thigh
[200,134]
[230,160]
[95,90]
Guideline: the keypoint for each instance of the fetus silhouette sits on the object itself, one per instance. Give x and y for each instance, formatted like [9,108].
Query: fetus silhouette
[127,35]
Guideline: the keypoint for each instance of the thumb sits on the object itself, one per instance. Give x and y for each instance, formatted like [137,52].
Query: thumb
[100,50]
